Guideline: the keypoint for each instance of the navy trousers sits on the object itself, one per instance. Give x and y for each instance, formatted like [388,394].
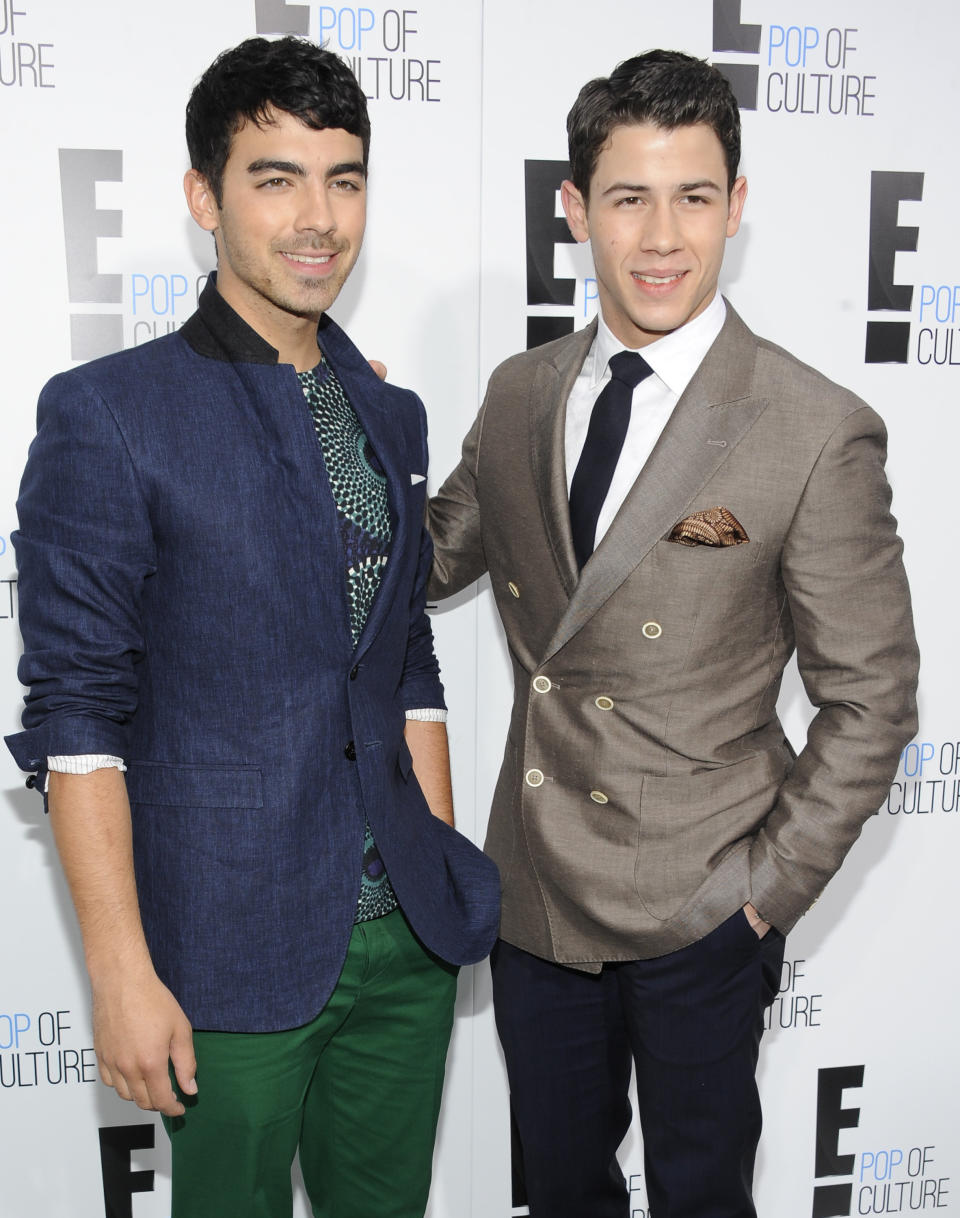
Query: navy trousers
[691,1021]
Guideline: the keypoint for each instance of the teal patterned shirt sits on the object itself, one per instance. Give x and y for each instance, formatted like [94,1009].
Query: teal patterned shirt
[359,488]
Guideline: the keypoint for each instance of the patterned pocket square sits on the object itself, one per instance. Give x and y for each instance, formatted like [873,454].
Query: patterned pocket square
[711,527]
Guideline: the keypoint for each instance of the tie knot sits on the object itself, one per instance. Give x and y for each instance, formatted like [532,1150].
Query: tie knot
[629,367]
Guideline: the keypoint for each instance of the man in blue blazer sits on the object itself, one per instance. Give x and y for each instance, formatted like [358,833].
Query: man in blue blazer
[234,707]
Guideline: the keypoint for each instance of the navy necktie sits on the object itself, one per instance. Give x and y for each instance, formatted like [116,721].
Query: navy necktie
[601,450]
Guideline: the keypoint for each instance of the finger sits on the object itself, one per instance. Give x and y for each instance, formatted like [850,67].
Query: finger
[120,1085]
[159,1093]
[167,1102]
[184,1060]
[105,1075]
[379,368]
[140,1093]
[129,1084]
[146,1081]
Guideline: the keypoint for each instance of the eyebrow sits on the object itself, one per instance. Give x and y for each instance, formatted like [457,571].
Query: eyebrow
[337,171]
[703,184]
[266,165]
[683,188]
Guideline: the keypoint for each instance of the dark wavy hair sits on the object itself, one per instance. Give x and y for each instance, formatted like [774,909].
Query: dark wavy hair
[242,84]
[666,88]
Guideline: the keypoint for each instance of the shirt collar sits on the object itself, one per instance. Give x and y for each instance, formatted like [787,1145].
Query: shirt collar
[674,358]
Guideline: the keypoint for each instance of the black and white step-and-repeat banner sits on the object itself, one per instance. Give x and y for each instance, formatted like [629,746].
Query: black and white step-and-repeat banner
[848,256]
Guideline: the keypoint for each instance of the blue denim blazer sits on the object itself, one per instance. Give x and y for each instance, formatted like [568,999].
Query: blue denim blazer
[183,606]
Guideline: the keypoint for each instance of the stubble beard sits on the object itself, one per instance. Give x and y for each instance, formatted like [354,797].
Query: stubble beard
[266,281]
[314,296]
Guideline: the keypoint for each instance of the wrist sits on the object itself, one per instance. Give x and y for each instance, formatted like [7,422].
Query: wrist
[114,963]
[756,918]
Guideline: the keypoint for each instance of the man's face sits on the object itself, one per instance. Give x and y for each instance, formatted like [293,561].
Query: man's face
[657,218]
[290,222]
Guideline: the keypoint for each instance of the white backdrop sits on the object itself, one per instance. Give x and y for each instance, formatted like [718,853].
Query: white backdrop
[849,151]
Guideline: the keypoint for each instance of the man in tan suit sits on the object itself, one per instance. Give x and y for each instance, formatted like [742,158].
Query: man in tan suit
[661,532]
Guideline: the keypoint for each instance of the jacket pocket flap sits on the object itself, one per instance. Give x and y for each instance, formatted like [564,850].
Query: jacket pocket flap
[194,786]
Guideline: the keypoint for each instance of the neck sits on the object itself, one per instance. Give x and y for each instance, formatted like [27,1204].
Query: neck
[293,336]
[301,350]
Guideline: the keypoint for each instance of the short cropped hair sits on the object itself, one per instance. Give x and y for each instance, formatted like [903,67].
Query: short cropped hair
[665,88]
[242,84]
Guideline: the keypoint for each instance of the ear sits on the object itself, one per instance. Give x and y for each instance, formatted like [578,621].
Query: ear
[203,206]
[575,209]
[738,196]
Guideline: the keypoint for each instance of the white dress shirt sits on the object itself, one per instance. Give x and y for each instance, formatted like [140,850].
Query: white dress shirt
[674,359]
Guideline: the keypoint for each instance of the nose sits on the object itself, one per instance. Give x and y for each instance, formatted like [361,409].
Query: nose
[315,212]
[661,233]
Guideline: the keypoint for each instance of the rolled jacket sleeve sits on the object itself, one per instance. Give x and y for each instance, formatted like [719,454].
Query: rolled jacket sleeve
[84,549]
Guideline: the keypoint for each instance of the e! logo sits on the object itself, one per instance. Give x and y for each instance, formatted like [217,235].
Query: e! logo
[833,1200]
[546,230]
[119,1182]
[278,17]
[91,334]
[888,342]
[730,34]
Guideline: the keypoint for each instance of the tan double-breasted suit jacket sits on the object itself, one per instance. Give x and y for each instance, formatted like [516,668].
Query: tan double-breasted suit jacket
[647,787]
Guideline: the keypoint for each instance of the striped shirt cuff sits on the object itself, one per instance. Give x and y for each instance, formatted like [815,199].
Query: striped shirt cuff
[84,763]
[429,714]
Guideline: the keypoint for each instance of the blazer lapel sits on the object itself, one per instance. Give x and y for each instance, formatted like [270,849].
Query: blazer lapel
[382,428]
[708,422]
[552,384]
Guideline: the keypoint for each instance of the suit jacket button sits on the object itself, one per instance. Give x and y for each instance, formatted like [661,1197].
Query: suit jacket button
[354,671]
[542,685]
[603,702]
[534,778]
[598,797]
[514,590]
[652,630]
[350,752]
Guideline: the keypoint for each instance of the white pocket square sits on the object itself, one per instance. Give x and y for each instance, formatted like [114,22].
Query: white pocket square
[415,478]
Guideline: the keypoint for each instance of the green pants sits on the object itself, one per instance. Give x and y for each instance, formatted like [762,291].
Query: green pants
[356,1091]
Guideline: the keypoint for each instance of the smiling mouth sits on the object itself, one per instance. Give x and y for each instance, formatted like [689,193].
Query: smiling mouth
[308,259]
[657,280]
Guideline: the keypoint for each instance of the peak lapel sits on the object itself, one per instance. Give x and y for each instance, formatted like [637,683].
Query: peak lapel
[708,422]
[552,383]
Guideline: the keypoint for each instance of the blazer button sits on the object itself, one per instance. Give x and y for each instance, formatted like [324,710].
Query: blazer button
[598,797]
[514,590]
[354,671]
[652,630]
[534,778]
[542,685]
[603,702]
[350,752]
